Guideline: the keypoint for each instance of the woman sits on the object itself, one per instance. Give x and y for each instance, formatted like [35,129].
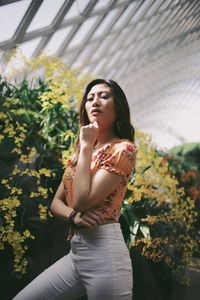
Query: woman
[90,197]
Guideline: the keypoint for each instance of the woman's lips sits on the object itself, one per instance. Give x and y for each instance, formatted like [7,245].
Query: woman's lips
[95,112]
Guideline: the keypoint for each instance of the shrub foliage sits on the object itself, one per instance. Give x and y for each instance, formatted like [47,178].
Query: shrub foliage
[39,124]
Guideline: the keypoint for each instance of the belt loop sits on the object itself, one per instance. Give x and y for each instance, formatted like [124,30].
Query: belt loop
[117,231]
[115,227]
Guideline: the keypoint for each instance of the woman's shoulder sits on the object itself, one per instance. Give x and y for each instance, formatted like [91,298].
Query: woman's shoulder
[124,145]
[119,157]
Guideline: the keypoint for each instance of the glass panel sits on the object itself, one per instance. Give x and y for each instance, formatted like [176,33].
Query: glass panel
[10,17]
[119,40]
[111,73]
[153,20]
[69,56]
[29,47]
[164,16]
[105,23]
[153,8]
[165,4]
[87,69]
[104,46]
[73,11]
[82,5]
[82,32]
[186,10]
[121,69]
[56,41]
[125,15]
[98,66]
[140,11]
[27,50]
[129,52]
[46,14]
[92,51]
[122,1]
[113,59]
[82,57]
[76,9]
[1,54]
[101,4]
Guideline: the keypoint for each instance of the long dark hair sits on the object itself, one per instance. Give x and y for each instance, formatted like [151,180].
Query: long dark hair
[122,126]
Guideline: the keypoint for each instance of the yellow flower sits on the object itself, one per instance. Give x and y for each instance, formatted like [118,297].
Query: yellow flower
[16,190]
[32,195]
[43,191]
[45,172]
[26,233]
[17,150]
[42,212]
[4,181]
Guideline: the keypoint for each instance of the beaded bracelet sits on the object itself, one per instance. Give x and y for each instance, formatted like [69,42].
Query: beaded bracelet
[72,216]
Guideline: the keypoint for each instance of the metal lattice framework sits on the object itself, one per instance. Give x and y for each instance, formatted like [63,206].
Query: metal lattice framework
[151,47]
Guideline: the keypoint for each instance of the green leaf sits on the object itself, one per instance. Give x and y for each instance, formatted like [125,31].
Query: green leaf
[145,231]
[145,169]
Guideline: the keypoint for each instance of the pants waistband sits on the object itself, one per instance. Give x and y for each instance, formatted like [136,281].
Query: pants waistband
[101,230]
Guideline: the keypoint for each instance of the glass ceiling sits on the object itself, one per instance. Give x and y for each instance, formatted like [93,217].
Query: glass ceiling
[151,47]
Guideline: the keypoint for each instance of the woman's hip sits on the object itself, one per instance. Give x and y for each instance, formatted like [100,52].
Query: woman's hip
[102,259]
[101,240]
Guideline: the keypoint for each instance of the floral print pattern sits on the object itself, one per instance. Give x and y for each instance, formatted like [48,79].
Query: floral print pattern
[117,156]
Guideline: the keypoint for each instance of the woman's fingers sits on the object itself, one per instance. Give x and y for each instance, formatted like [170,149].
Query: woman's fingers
[101,218]
[89,133]
[84,224]
[82,220]
[90,218]
[95,215]
[81,223]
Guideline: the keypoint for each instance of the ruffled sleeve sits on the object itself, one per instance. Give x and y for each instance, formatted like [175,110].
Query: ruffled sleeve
[120,158]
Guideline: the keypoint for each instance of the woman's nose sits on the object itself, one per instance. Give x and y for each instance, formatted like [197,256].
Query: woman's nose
[96,101]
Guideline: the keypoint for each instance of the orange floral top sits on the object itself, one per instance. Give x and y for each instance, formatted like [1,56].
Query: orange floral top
[117,156]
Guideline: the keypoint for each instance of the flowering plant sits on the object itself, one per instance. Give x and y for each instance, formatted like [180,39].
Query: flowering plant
[160,213]
[39,123]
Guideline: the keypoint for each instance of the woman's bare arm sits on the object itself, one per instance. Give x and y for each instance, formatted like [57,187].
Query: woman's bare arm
[59,208]
[87,191]
[58,205]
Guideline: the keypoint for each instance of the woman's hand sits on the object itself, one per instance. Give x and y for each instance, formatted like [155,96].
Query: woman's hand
[89,134]
[90,218]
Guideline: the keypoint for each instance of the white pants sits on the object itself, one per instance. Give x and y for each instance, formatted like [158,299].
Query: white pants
[98,265]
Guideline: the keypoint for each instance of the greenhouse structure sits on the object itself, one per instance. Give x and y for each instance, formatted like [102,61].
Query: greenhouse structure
[57,133]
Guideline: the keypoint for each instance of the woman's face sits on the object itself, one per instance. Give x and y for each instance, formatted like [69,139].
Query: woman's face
[100,105]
